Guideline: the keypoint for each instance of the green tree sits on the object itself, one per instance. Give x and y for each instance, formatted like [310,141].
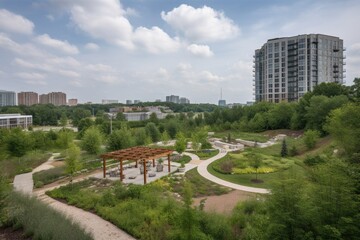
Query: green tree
[18,142]
[284,150]
[172,127]
[255,162]
[355,90]
[140,137]
[72,161]
[92,140]
[78,114]
[152,131]
[120,116]
[63,120]
[180,144]
[64,139]
[330,89]
[153,118]
[120,139]
[165,137]
[310,138]
[344,126]
[279,117]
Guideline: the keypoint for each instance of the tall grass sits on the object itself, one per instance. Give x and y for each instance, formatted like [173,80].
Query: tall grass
[38,220]
[48,176]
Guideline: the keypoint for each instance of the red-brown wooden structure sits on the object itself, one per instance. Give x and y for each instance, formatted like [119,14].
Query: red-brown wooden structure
[136,154]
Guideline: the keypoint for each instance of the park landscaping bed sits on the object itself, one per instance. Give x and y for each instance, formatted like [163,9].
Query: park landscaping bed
[249,136]
[206,153]
[146,212]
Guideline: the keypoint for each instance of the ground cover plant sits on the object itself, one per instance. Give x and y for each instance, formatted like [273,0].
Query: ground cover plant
[38,220]
[146,212]
[201,186]
[206,154]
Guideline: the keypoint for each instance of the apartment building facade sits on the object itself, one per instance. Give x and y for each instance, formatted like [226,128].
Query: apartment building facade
[7,98]
[28,98]
[287,68]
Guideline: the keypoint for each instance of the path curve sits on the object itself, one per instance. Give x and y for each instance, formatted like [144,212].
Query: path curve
[202,170]
[92,223]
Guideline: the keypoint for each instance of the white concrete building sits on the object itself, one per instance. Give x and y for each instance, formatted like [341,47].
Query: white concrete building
[15,120]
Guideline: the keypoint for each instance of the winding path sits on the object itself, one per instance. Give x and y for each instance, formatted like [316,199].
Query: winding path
[92,223]
[202,169]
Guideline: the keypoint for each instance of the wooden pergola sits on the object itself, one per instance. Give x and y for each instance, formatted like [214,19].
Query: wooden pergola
[136,154]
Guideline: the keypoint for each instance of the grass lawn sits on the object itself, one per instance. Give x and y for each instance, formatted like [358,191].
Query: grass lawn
[245,179]
[204,155]
[200,185]
[259,137]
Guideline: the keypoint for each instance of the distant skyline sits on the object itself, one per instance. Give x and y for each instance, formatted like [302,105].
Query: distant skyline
[141,49]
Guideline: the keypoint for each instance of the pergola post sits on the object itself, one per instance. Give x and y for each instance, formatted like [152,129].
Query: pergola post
[144,161]
[169,169]
[121,170]
[136,164]
[153,162]
[104,167]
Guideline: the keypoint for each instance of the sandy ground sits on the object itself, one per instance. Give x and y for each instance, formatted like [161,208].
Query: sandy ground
[224,203]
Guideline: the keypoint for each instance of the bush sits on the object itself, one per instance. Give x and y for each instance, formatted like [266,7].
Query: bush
[313,160]
[38,220]
[310,138]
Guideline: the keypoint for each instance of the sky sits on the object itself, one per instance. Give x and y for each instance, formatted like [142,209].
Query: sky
[148,49]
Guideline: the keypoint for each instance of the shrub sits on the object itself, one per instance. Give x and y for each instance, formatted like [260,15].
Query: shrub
[310,138]
[38,220]
[293,151]
[249,170]
[227,166]
[313,160]
[48,176]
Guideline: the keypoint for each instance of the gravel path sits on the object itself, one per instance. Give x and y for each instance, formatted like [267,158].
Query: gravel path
[98,227]
[202,169]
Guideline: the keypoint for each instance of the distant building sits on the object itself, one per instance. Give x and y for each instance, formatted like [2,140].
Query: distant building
[129,102]
[7,98]
[173,99]
[72,102]
[184,100]
[287,68]
[158,100]
[222,103]
[108,101]
[15,120]
[55,98]
[28,98]
[137,101]
[136,116]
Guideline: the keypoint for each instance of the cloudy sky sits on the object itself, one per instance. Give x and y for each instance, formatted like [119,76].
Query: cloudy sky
[147,49]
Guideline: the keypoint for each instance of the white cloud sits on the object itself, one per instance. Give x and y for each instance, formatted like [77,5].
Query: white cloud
[99,68]
[92,46]
[106,19]
[163,73]
[200,50]
[103,19]
[200,24]
[355,47]
[15,23]
[155,40]
[210,77]
[31,76]
[50,17]
[109,79]
[68,73]
[63,46]
[21,49]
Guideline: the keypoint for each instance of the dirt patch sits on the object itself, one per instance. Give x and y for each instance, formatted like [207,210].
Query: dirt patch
[58,163]
[10,234]
[224,203]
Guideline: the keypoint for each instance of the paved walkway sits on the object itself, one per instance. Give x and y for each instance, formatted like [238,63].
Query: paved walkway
[202,169]
[92,223]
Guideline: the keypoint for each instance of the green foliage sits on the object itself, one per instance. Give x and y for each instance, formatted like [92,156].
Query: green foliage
[293,151]
[165,137]
[284,150]
[314,160]
[48,176]
[63,120]
[72,162]
[181,142]
[64,138]
[310,138]
[152,131]
[344,126]
[39,220]
[18,143]
[140,137]
[172,128]
[255,161]
[120,139]
[92,140]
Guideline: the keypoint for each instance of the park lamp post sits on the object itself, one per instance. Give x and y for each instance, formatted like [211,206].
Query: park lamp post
[110,115]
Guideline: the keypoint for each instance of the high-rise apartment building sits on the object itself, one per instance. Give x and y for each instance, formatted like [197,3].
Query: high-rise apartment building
[28,98]
[286,68]
[72,102]
[55,98]
[7,98]
[173,99]
[184,100]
